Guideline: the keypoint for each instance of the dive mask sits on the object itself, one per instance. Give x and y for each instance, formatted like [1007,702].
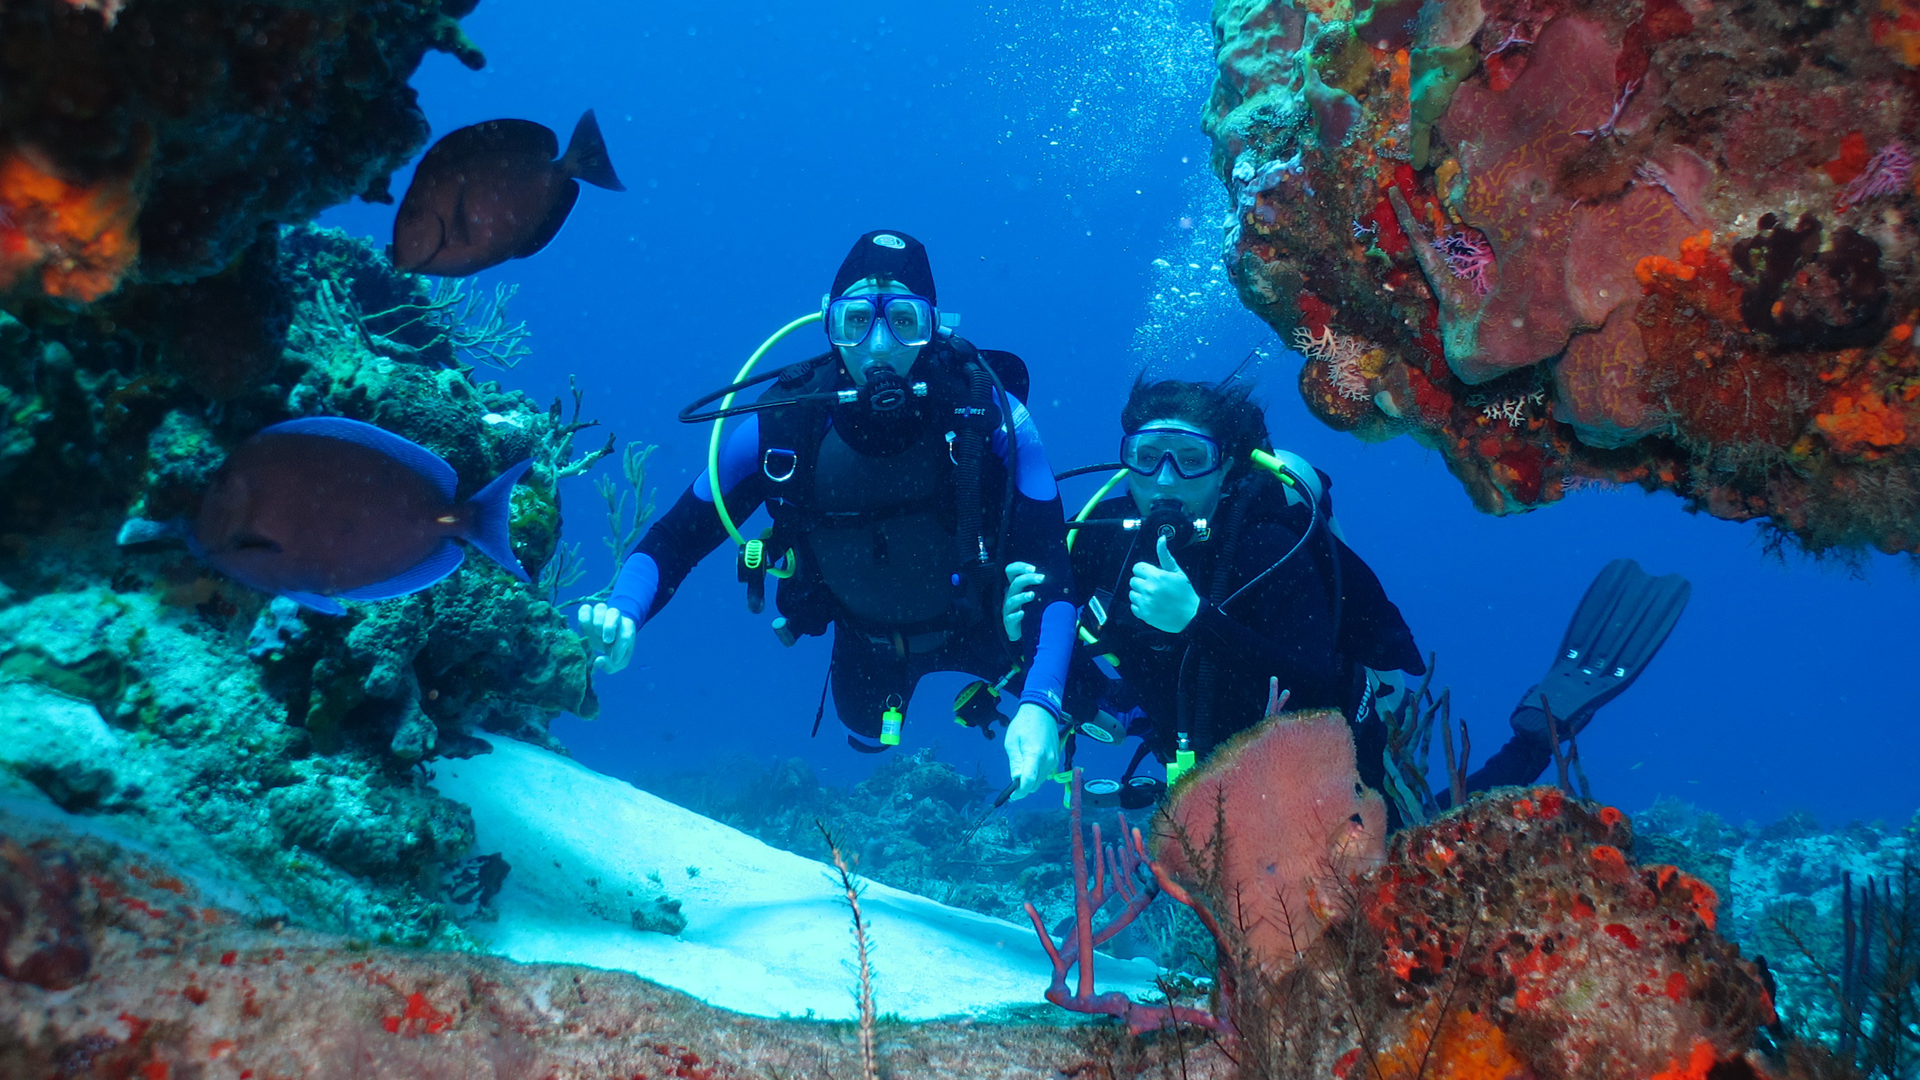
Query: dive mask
[1193,455]
[909,318]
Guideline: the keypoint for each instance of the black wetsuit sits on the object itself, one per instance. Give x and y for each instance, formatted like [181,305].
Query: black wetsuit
[868,504]
[1211,679]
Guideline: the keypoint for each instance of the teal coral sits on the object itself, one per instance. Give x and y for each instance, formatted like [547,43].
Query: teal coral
[135,683]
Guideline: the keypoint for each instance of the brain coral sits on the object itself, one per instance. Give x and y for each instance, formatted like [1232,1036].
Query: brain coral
[1635,241]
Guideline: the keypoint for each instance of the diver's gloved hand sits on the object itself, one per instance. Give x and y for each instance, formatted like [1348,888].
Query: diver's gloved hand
[1161,596]
[609,636]
[1033,749]
[1021,578]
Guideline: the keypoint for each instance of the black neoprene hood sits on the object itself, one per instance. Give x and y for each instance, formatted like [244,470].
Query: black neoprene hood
[887,253]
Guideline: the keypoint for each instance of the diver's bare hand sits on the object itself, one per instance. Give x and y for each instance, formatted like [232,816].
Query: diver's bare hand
[608,634]
[1033,749]
[1161,596]
[1021,579]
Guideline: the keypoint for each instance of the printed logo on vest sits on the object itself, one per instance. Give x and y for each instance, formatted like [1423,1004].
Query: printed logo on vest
[888,240]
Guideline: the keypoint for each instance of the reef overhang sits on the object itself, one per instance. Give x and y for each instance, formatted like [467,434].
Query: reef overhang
[1653,242]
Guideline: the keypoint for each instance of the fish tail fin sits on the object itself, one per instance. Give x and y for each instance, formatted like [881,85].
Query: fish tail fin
[586,156]
[492,510]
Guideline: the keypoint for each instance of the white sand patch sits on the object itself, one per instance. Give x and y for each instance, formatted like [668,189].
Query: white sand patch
[767,931]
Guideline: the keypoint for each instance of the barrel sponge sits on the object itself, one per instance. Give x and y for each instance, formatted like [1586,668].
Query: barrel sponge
[1298,826]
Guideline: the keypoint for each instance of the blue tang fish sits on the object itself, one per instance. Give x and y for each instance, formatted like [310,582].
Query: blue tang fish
[493,192]
[328,507]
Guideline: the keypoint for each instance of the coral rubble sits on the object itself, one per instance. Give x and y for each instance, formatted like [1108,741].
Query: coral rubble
[180,986]
[1636,241]
[136,683]
[153,143]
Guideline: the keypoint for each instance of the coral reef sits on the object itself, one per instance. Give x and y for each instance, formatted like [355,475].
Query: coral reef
[1786,889]
[180,986]
[1514,936]
[136,683]
[153,144]
[1638,241]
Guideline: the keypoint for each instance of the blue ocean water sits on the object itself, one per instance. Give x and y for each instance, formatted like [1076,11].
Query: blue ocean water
[1049,154]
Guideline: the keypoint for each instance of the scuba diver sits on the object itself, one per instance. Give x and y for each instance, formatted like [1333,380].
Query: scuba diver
[901,469]
[1222,566]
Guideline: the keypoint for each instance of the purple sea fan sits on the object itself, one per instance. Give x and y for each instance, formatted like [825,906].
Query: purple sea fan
[1468,256]
[1887,173]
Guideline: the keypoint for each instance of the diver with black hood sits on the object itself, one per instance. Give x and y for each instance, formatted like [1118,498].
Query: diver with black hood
[1222,567]
[901,470]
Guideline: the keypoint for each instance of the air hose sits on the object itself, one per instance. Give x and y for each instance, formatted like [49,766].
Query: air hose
[969,443]
[713,441]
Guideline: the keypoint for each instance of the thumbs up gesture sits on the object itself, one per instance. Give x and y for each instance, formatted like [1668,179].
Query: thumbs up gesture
[1161,596]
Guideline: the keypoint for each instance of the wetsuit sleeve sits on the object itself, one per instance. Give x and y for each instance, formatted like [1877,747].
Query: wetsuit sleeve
[1283,626]
[1037,534]
[690,530]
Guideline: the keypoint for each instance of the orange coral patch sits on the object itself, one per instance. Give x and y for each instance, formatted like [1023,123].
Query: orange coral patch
[1467,1047]
[1699,1062]
[78,237]
[1861,421]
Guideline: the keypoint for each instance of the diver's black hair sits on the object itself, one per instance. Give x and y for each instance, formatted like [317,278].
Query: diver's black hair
[1225,410]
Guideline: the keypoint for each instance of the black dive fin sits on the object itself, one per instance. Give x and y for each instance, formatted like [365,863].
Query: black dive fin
[1619,626]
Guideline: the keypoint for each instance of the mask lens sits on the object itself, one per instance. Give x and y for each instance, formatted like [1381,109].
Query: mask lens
[909,319]
[849,320]
[1192,455]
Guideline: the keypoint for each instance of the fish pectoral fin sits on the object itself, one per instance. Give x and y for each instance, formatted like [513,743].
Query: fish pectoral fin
[443,560]
[325,605]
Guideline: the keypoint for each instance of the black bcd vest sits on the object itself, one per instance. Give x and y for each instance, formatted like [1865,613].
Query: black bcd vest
[868,502]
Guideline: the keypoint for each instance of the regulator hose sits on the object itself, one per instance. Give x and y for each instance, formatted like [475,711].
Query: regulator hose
[969,445]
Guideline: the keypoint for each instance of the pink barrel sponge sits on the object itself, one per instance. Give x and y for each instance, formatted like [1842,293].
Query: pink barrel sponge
[1299,827]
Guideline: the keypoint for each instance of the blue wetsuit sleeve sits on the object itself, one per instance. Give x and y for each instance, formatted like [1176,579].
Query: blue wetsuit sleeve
[1033,474]
[634,589]
[690,530]
[1036,526]
[1037,534]
[1047,676]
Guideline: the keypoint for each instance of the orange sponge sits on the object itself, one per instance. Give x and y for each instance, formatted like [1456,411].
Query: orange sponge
[79,238]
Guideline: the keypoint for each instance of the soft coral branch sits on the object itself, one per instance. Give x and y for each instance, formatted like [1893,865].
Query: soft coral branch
[1115,872]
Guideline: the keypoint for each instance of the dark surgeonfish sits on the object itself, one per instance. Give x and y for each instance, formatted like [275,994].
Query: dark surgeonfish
[328,507]
[493,192]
